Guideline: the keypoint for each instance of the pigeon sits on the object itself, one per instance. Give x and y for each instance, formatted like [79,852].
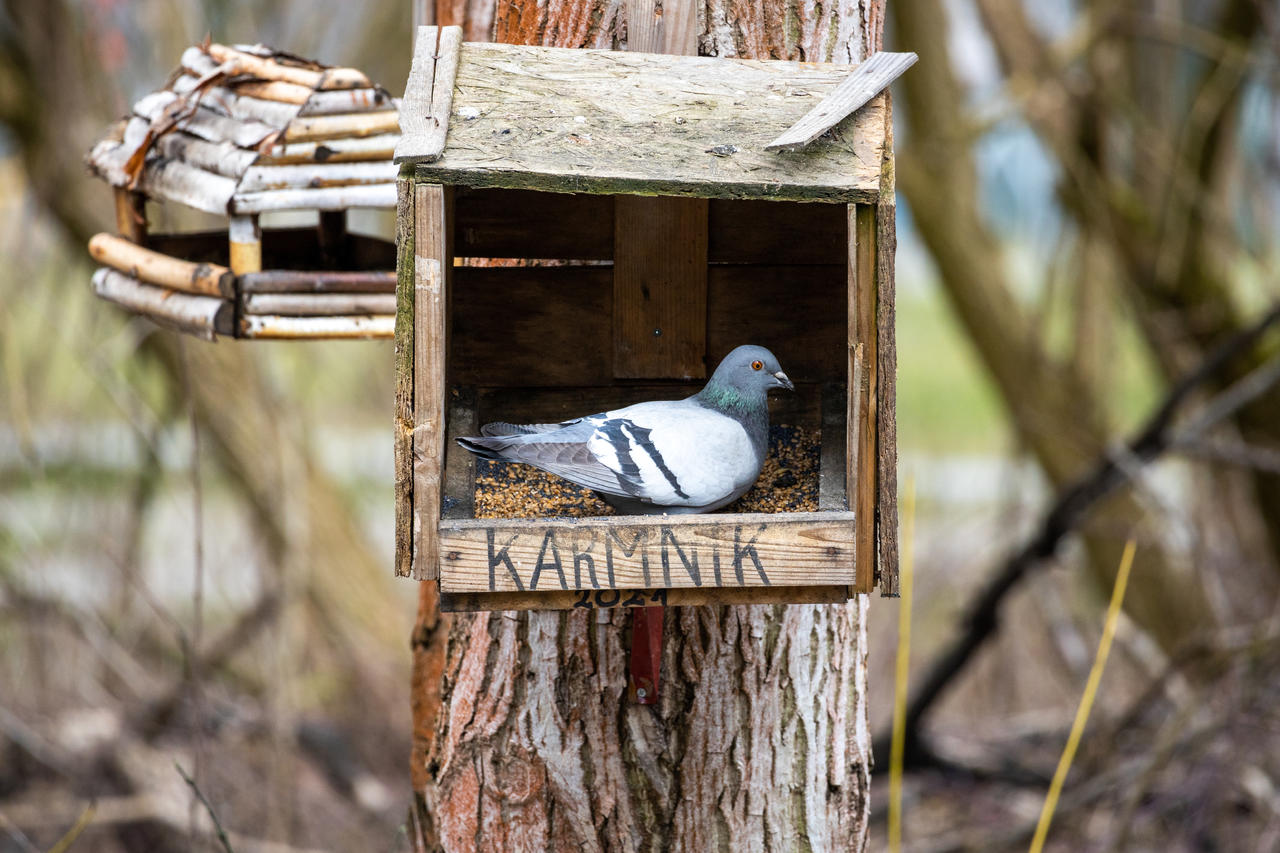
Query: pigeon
[672,456]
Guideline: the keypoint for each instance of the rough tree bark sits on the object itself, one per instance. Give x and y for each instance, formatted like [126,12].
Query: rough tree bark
[524,738]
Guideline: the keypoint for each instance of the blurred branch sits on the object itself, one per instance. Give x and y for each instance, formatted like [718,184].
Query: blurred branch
[1052,406]
[208,807]
[1067,512]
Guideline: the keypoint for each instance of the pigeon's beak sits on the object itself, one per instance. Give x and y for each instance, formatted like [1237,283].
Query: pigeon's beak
[783,381]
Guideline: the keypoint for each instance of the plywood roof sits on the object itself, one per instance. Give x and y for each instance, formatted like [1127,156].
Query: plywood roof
[618,122]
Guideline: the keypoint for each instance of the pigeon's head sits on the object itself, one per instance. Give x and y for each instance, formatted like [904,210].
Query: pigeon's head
[751,368]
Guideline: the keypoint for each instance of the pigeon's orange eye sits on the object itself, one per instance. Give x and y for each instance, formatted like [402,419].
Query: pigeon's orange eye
[757,365]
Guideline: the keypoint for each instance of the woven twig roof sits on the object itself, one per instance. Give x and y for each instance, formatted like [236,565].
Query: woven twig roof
[244,129]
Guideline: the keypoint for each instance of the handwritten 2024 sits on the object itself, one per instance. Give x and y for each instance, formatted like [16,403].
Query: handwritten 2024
[568,558]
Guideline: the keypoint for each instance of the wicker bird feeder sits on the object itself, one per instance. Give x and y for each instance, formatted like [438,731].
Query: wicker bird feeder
[238,132]
[688,204]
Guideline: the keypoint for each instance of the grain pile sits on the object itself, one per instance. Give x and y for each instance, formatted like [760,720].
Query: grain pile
[788,483]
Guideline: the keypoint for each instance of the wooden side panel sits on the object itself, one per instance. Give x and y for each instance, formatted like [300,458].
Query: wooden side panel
[496,223]
[551,405]
[403,426]
[776,232]
[433,267]
[459,465]
[731,550]
[550,326]
[531,326]
[659,288]
[798,312]
[862,409]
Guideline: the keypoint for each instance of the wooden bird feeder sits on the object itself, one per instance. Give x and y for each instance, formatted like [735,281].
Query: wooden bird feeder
[688,205]
[238,132]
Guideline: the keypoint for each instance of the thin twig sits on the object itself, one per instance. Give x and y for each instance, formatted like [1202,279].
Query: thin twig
[1086,701]
[82,823]
[217,825]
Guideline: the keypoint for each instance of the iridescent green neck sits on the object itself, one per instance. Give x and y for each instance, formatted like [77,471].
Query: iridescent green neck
[727,398]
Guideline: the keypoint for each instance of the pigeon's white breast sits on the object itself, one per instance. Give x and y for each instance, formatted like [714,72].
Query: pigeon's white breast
[687,455]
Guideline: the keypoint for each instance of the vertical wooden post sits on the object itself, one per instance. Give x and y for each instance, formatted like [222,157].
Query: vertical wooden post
[331,234]
[432,274]
[862,453]
[131,215]
[660,244]
[405,222]
[886,394]
[246,244]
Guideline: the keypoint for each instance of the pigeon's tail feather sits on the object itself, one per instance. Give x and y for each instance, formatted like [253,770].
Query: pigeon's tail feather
[485,448]
[499,428]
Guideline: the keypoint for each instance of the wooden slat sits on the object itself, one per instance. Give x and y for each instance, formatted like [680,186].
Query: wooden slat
[315,176]
[203,316]
[160,269]
[369,99]
[295,281]
[625,552]
[862,367]
[552,405]
[605,599]
[402,423]
[864,83]
[555,321]
[429,93]
[365,149]
[497,223]
[206,123]
[776,232]
[340,126]
[131,215]
[432,278]
[460,465]
[320,304]
[245,239]
[659,288]
[237,105]
[330,198]
[613,121]
[798,312]
[355,327]
[522,326]
[832,483]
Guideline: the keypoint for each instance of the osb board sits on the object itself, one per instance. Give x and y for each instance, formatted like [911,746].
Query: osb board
[627,552]
[604,121]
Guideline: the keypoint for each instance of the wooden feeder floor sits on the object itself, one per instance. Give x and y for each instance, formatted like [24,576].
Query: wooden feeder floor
[788,483]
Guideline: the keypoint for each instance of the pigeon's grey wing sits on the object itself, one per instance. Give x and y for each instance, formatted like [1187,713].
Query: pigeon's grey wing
[503,428]
[562,450]
[675,454]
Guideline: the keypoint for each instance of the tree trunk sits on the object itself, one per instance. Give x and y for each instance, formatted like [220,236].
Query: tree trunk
[524,738]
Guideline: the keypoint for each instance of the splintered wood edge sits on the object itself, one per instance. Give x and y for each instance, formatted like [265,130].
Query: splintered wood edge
[605,599]
[424,115]
[865,82]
